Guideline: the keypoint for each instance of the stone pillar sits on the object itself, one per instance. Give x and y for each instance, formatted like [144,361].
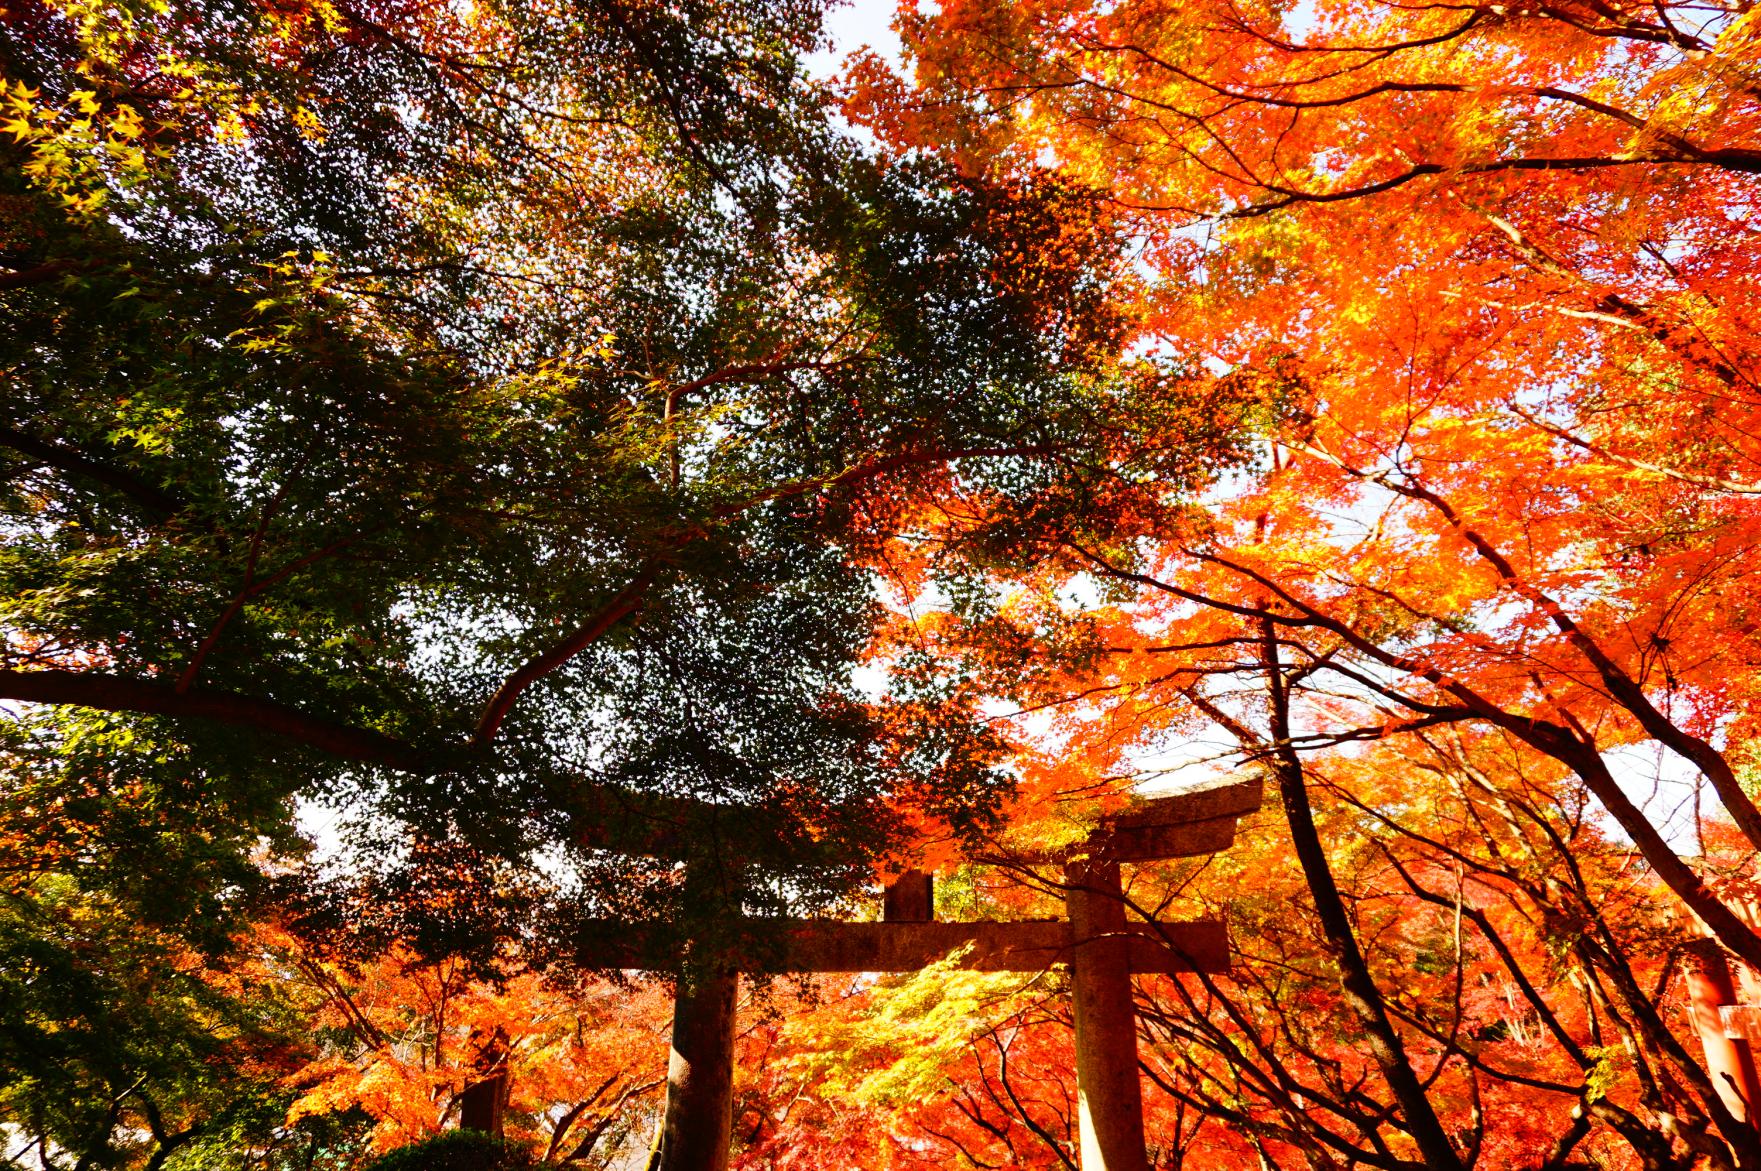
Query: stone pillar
[1729,1060]
[483,1103]
[910,898]
[698,1128]
[1109,1094]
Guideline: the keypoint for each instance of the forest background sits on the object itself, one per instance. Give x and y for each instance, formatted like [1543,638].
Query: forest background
[529,439]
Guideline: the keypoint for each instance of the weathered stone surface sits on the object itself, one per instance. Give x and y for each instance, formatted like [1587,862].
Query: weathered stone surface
[910,898]
[697,1127]
[828,945]
[1109,1097]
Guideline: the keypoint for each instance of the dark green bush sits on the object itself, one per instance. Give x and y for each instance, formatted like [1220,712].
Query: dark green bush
[455,1150]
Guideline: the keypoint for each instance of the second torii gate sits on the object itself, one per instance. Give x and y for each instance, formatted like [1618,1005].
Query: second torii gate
[1102,948]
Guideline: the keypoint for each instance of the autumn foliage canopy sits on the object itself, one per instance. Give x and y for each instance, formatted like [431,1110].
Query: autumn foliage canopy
[496,496]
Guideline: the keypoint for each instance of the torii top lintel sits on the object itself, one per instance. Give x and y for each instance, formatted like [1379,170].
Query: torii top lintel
[1196,821]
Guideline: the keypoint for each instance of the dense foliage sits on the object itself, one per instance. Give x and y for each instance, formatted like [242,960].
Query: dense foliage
[543,445]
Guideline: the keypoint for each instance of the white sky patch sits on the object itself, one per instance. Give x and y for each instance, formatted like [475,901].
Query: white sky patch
[319,821]
[1171,768]
[870,680]
[853,26]
[1663,785]
[1301,21]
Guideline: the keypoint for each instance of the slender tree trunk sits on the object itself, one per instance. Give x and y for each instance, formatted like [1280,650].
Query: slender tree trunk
[1361,993]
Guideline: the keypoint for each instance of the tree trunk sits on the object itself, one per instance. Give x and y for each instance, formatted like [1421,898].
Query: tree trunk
[1361,993]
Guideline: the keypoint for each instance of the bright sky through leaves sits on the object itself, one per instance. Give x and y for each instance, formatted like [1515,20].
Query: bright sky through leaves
[501,503]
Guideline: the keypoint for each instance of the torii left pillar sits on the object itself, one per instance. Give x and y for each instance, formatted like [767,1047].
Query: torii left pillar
[697,1131]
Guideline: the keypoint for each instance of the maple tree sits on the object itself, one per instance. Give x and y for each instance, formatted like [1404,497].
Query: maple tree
[1486,268]
[404,1041]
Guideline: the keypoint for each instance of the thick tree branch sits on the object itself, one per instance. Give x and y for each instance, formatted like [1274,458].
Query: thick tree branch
[1711,483]
[1743,161]
[880,466]
[157,501]
[1560,743]
[40,274]
[1615,309]
[768,368]
[629,599]
[1622,687]
[119,693]
[623,604]
[254,587]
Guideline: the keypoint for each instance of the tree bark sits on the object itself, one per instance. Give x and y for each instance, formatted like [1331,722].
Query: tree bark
[1361,994]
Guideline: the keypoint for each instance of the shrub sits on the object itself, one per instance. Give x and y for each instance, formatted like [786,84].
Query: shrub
[455,1150]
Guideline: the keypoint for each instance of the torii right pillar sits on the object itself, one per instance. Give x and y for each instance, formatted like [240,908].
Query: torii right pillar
[1109,1093]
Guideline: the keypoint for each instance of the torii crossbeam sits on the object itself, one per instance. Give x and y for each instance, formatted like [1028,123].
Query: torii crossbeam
[1101,946]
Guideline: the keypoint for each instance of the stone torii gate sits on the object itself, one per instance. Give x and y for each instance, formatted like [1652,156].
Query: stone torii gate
[1101,946]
